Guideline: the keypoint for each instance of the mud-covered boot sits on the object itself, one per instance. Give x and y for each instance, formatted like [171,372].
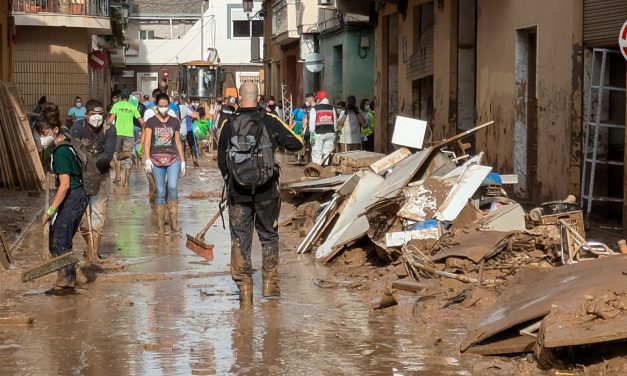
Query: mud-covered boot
[241,272]
[195,160]
[116,167]
[161,219]
[173,208]
[97,240]
[270,272]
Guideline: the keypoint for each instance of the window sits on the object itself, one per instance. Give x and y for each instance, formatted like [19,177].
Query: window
[146,34]
[246,29]
[241,29]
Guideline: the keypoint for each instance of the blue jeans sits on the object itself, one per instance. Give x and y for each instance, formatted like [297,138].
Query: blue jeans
[166,181]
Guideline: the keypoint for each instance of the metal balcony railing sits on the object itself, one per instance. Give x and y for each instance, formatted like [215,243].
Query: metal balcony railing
[99,8]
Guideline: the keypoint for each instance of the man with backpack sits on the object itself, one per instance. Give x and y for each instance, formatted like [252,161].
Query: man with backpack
[97,140]
[246,146]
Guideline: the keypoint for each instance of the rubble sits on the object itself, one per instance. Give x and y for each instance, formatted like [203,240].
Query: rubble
[431,215]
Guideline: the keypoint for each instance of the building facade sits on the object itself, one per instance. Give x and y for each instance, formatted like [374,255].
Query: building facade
[57,65]
[162,36]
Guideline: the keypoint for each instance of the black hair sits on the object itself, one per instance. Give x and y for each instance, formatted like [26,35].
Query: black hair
[363,103]
[201,112]
[50,117]
[146,97]
[156,92]
[92,103]
[372,105]
[310,95]
[161,96]
[42,100]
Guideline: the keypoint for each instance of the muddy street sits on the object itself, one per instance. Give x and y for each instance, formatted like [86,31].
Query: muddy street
[167,313]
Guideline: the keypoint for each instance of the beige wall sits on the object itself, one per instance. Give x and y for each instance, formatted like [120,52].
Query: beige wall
[559,72]
[55,66]
[5,62]
[442,69]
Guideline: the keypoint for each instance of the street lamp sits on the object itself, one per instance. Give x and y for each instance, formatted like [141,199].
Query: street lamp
[247,5]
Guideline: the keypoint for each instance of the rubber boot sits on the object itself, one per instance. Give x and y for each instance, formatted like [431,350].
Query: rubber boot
[127,175]
[161,219]
[195,160]
[270,272]
[116,167]
[173,208]
[97,240]
[241,274]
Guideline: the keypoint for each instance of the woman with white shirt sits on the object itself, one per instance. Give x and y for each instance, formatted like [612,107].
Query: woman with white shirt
[350,122]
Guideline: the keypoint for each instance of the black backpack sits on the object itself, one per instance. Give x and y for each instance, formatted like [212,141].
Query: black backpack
[250,157]
[90,173]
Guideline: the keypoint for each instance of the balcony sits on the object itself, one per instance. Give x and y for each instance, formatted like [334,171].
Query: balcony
[284,27]
[92,15]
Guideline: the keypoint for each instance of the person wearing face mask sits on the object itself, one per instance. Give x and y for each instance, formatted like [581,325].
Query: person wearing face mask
[123,113]
[114,99]
[350,122]
[99,140]
[165,160]
[78,111]
[323,121]
[70,201]
[367,131]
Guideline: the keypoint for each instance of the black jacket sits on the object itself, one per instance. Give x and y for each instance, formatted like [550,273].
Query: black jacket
[281,135]
[100,144]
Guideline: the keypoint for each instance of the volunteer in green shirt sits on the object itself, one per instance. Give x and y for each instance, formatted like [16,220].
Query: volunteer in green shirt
[122,115]
[70,202]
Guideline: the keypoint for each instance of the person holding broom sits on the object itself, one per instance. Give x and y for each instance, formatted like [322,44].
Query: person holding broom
[70,202]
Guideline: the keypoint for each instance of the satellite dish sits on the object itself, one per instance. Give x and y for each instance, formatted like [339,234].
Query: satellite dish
[314,62]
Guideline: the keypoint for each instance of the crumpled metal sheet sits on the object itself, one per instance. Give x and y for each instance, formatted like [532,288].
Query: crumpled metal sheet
[473,246]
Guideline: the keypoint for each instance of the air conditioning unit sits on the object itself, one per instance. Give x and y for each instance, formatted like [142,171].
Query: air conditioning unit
[325,3]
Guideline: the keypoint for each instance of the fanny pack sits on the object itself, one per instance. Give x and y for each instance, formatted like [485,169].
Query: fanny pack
[163,159]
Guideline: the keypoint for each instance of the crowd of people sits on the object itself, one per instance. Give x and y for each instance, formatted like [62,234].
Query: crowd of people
[161,133]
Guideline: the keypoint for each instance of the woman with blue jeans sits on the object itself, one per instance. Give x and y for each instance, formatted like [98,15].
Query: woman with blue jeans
[163,153]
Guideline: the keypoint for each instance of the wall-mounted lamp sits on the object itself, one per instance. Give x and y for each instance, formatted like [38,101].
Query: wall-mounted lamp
[247,5]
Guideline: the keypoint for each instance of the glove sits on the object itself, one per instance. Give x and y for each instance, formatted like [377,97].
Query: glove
[148,166]
[182,169]
[49,213]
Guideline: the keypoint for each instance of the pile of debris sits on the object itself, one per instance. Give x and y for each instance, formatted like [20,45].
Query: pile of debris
[446,216]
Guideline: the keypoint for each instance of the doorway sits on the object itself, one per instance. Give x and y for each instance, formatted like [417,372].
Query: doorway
[526,116]
[338,73]
[147,82]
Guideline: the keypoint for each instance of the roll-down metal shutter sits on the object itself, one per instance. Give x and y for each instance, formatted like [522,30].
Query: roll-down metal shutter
[602,20]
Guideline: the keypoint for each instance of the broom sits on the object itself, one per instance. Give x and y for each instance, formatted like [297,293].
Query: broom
[197,243]
[50,266]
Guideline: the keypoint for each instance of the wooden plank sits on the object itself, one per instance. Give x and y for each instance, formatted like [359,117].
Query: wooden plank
[5,251]
[390,160]
[26,133]
[515,345]
[410,285]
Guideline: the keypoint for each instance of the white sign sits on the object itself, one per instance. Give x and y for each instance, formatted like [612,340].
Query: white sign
[128,73]
[622,40]
[409,132]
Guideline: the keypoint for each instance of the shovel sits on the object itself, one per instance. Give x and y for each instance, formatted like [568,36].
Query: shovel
[197,243]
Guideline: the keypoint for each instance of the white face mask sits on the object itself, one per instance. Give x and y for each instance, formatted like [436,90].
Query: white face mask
[46,141]
[163,110]
[79,104]
[367,107]
[95,120]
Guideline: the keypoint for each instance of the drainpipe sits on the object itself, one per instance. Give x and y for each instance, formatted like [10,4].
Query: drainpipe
[171,30]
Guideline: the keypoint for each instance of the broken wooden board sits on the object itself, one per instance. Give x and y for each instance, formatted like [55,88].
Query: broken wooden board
[532,292]
[16,321]
[506,218]
[514,345]
[407,284]
[464,189]
[356,159]
[390,160]
[422,200]
[474,245]
[319,185]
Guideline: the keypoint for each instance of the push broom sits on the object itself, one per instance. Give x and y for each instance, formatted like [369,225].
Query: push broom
[197,243]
